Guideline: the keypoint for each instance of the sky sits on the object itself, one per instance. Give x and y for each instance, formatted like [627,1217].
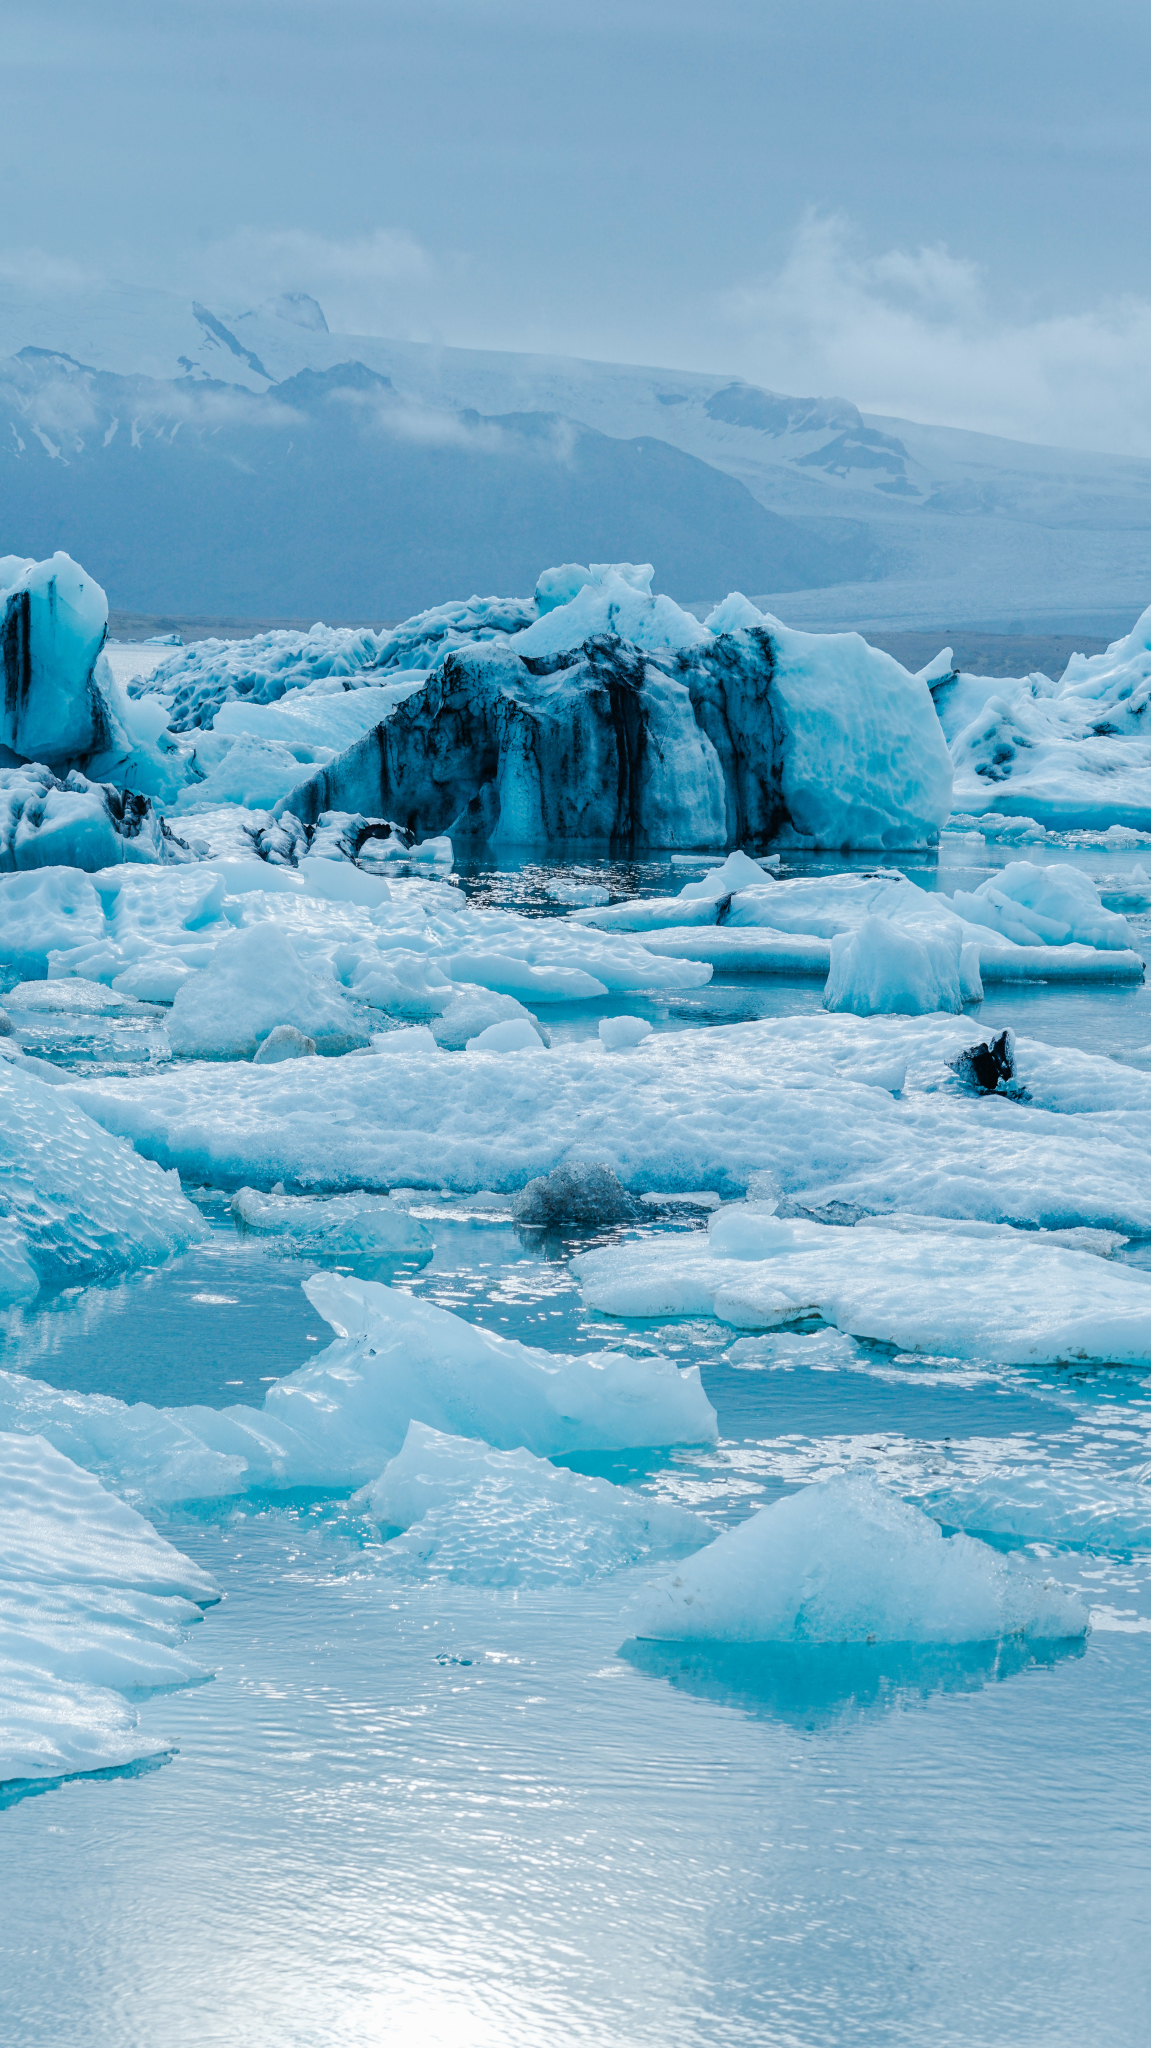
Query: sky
[937,210]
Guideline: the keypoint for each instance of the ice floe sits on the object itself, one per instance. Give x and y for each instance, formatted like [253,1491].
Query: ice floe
[411,948]
[332,1226]
[1026,923]
[77,1203]
[1010,1296]
[847,1562]
[335,1422]
[508,1518]
[811,1100]
[94,1609]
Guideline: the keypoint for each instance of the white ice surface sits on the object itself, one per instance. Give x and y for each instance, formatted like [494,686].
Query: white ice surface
[336,1421]
[847,1562]
[1008,1296]
[508,1518]
[93,1606]
[805,1098]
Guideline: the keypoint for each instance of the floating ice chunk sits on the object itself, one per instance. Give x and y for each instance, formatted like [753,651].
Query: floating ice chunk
[846,1562]
[1048,906]
[738,871]
[507,1518]
[158,980]
[575,1197]
[93,1604]
[540,981]
[254,981]
[404,1360]
[578,895]
[333,1226]
[283,1043]
[1007,1296]
[470,1011]
[516,1035]
[617,1034]
[78,1202]
[337,1421]
[884,967]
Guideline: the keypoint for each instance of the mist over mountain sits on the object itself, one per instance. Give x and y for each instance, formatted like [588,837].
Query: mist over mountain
[254,464]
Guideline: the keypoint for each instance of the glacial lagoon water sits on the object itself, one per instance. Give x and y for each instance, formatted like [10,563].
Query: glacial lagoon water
[414,1812]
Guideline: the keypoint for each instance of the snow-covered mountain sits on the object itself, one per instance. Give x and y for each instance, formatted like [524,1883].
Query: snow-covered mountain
[257,464]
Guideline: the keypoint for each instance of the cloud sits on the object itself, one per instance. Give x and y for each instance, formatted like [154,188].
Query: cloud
[364,284]
[914,333]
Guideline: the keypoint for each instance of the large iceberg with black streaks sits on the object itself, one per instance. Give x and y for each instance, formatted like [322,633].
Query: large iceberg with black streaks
[53,623]
[615,718]
[94,1609]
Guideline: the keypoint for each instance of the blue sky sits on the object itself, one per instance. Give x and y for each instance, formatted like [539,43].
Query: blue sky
[935,209]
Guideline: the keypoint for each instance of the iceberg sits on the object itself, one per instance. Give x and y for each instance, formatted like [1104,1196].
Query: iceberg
[333,1226]
[53,623]
[336,1422]
[844,1561]
[68,821]
[94,1609]
[507,1518]
[885,967]
[1072,754]
[1027,923]
[77,1203]
[927,1286]
[616,718]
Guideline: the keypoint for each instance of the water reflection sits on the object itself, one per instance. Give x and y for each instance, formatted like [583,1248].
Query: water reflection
[813,1685]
